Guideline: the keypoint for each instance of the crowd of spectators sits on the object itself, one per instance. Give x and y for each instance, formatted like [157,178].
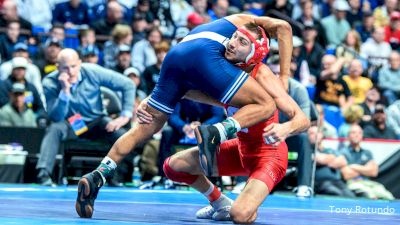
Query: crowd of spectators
[345,56]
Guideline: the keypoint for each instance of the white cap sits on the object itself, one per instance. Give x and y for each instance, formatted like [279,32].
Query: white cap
[273,45]
[19,62]
[181,32]
[297,42]
[341,5]
[131,70]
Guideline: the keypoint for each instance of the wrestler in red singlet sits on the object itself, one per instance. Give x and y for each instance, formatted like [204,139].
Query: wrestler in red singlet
[249,155]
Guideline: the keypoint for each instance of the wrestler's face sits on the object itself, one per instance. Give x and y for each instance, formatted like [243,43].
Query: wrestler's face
[238,47]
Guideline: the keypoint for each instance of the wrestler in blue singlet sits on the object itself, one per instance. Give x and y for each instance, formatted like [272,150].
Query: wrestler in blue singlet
[198,63]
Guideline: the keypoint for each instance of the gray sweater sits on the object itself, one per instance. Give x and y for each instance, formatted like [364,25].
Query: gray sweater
[85,97]
[300,95]
[389,79]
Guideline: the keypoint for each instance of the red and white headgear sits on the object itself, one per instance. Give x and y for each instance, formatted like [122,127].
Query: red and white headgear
[259,48]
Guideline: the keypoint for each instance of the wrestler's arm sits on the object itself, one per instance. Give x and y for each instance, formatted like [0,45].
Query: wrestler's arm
[298,120]
[275,28]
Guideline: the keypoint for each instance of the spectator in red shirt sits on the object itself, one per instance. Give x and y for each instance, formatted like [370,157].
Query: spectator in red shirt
[392,31]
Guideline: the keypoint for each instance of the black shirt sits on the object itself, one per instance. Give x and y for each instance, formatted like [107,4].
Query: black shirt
[312,57]
[24,24]
[150,76]
[103,27]
[328,91]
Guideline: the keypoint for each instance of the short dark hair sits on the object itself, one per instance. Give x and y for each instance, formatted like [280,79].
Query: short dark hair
[85,32]
[253,27]
[57,25]
[154,29]
[13,21]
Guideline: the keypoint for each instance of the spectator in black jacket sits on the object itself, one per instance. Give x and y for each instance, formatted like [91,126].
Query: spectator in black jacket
[311,51]
[8,40]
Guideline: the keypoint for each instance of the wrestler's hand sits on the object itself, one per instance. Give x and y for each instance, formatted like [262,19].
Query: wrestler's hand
[142,115]
[117,123]
[275,134]
[194,124]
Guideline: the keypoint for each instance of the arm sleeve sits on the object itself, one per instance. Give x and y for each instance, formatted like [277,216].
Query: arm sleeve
[393,119]
[57,101]
[369,157]
[217,115]
[175,120]
[3,95]
[86,20]
[118,82]
[346,154]
[38,104]
[301,97]
[3,119]
[57,12]
[137,56]
[346,90]
[383,79]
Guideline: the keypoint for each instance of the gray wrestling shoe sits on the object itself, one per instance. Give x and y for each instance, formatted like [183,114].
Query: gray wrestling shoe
[217,210]
[205,213]
[208,212]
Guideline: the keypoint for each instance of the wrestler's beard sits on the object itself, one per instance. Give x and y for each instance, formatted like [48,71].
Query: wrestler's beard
[231,57]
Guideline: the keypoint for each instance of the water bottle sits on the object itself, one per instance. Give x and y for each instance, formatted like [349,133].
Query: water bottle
[136,177]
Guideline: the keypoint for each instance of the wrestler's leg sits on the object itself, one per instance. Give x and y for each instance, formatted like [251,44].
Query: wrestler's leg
[137,135]
[184,167]
[255,104]
[244,208]
[268,169]
[90,184]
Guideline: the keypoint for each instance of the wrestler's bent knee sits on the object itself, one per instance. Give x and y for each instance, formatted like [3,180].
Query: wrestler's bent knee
[242,215]
[178,176]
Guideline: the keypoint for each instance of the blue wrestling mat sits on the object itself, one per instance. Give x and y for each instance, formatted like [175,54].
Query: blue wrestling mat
[28,204]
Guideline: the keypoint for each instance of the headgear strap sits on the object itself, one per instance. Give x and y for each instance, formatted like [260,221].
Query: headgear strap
[259,48]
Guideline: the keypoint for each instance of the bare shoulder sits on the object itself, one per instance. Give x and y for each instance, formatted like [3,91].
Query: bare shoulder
[264,71]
